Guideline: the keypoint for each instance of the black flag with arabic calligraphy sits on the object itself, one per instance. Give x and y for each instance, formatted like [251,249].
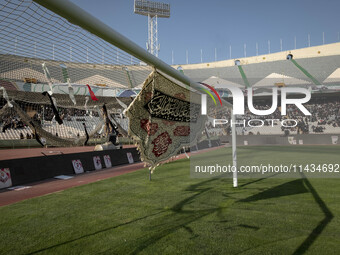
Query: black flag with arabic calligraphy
[164,117]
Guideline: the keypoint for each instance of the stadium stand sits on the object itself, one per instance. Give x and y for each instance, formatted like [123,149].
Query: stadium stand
[25,74]
[18,68]
[325,118]
[259,75]
[311,69]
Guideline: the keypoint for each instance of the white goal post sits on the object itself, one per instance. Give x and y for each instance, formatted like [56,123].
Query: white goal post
[83,19]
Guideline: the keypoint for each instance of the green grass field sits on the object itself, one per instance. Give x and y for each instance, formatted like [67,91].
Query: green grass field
[177,214]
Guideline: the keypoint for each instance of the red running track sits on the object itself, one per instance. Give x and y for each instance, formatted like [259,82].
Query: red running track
[54,185]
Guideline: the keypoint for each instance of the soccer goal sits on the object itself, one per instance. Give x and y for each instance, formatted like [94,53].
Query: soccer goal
[65,75]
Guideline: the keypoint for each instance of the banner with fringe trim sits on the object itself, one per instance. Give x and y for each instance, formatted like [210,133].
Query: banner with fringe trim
[164,117]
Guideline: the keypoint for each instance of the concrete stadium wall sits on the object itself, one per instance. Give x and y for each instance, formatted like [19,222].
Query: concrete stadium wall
[310,52]
[28,170]
[315,139]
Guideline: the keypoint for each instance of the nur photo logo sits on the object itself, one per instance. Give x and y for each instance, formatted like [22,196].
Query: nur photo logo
[238,100]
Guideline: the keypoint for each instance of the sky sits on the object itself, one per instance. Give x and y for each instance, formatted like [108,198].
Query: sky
[215,25]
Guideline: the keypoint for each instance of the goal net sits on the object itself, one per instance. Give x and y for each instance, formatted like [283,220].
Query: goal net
[43,52]
[64,85]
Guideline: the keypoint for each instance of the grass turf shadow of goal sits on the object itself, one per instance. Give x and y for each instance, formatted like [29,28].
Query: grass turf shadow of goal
[298,186]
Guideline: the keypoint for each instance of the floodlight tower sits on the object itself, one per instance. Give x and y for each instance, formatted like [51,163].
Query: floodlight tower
[153,10]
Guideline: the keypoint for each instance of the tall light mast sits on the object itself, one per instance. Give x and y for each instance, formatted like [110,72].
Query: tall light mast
[153,10]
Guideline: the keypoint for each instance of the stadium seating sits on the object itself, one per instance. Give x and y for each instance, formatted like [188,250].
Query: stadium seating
[69,128]
[18,68]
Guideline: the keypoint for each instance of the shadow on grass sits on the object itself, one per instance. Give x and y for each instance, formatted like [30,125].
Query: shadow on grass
[297,187]
[95,233]
[179,218]
[286,189]
[322,224]
[256,180]
[163,224]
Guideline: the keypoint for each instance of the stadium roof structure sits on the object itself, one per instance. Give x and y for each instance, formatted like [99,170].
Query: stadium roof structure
[219,83]
[311,66]
[334,77]
[278,79]
[313,69]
